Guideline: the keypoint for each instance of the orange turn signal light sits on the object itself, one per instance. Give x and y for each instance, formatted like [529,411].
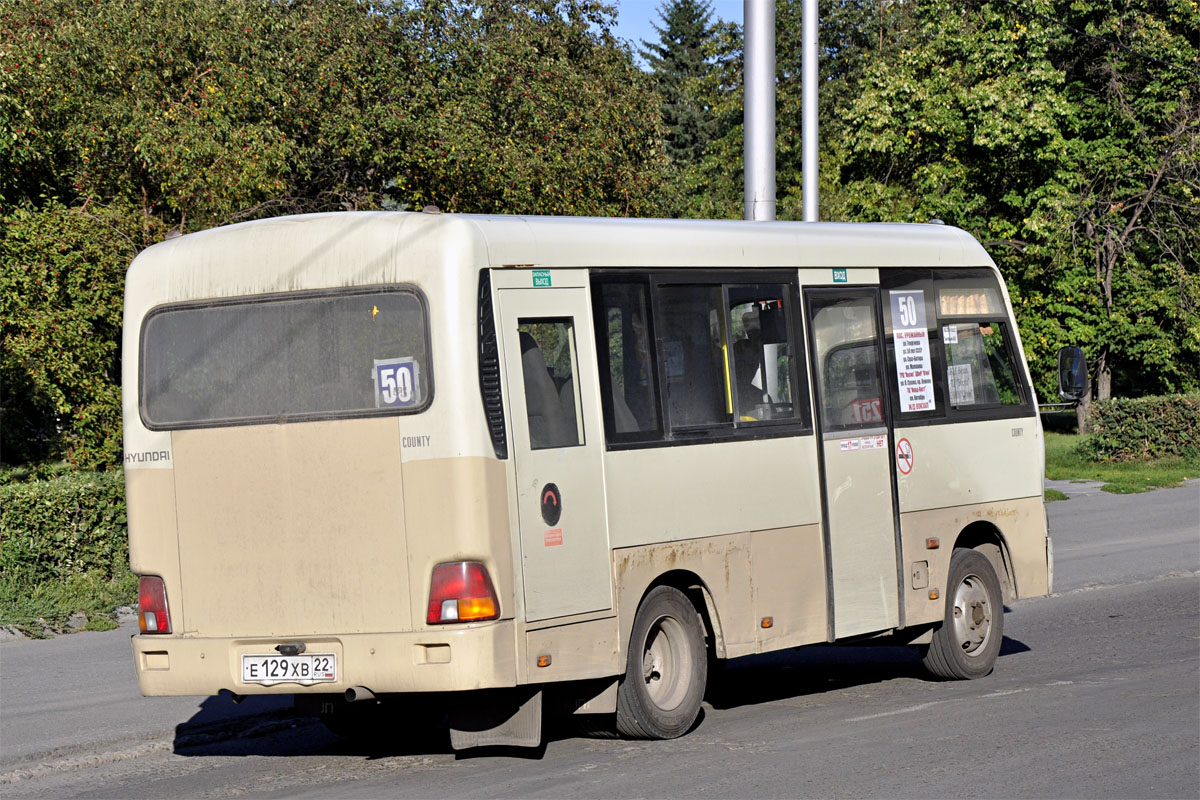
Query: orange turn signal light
[933,594]
[932,543]
[544,661]
[767,622]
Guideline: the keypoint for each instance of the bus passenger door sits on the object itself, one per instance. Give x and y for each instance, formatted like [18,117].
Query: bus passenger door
[856,457]
[553,395]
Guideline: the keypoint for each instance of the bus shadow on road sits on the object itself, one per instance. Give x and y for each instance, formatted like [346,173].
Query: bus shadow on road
[267,725]
[813,670]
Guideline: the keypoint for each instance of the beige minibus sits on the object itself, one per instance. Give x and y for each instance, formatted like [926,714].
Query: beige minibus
[490,465]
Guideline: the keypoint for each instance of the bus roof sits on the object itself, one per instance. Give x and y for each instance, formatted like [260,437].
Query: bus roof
[359,248]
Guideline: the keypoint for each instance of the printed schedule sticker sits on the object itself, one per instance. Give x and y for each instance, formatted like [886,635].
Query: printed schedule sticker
[914,374]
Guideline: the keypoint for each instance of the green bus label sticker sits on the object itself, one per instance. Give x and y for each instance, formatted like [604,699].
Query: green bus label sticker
[841,276]
[541,277]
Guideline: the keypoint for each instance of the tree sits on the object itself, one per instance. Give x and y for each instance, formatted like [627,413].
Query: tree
[1045,130]
[61,274]
[1134,166]
[679,61]
[124,120]
[532,108]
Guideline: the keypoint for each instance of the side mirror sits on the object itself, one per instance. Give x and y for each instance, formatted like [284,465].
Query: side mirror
[1072,374]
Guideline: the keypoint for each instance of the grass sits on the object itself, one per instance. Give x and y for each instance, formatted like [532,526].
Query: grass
[46,608]
[1063,462]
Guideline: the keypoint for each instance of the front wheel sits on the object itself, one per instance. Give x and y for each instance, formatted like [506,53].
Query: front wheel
[667,667]
[968,641]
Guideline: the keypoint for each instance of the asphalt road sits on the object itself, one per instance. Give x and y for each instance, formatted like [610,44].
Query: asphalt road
[1096,694]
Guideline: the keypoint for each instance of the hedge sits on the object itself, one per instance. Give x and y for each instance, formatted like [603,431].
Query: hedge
[1142,428]
[71,525]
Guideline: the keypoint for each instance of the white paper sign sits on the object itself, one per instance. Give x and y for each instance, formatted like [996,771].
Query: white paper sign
[962,384]
[914,374]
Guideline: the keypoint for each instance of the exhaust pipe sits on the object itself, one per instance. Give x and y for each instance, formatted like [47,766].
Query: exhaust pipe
[234,696]
[358,693]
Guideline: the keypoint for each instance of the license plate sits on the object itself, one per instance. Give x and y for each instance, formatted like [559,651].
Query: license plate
[306,670]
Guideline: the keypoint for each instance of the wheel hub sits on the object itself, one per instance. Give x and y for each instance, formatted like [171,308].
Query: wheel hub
[666,663]
[972,615]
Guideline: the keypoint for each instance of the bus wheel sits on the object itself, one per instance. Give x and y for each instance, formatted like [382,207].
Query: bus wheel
[968,641]
[659,697]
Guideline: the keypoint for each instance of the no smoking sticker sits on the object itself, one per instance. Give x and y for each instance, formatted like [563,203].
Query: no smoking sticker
[904,456]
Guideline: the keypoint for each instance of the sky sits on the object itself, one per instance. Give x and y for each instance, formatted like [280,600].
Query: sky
[636,18]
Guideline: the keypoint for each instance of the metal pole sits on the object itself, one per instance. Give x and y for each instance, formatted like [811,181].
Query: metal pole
[759,119]
[808,113]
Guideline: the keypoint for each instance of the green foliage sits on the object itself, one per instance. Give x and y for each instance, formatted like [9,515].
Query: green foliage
[1066,460]
[1137,429]
[531,108]
[63,551]
[48,607]
[124,120]
[61,275]
[70,525]
[202,112]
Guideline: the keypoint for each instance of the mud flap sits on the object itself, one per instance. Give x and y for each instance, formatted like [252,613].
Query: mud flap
[504,717]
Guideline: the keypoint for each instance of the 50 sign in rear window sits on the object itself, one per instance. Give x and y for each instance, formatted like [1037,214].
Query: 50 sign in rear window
[397,382]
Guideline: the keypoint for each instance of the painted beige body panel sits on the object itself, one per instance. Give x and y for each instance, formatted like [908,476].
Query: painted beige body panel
[301,526]
[457,509]
[747,576]
[459,659]
[788,580]
[577,651]
[1022,568]
[153,539]
[376,580]
[668,494]
[971,462]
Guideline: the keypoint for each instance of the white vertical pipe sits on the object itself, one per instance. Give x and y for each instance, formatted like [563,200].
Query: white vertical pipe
[759,113]
[808,112]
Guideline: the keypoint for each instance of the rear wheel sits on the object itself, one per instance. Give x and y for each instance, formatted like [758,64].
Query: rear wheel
[968,641]
[667,666]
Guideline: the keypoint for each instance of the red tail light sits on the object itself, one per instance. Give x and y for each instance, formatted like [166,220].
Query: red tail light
[461,591]
[153,616]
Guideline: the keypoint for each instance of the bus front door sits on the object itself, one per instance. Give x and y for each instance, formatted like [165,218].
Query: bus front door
[556,440]
[856,455]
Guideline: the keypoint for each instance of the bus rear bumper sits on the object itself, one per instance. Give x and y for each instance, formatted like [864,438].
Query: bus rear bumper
[471,657]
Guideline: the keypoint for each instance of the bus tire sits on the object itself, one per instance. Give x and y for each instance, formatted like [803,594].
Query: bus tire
[666,669]
[966,644]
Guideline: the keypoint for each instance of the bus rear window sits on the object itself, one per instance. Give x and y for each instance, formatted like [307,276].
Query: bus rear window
[285,358]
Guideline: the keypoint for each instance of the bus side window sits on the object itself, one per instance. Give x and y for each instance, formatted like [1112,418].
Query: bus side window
[763,363]
[628,375]
[694,342]
[977,342]
[548,366]
[979,366]
[706,360]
